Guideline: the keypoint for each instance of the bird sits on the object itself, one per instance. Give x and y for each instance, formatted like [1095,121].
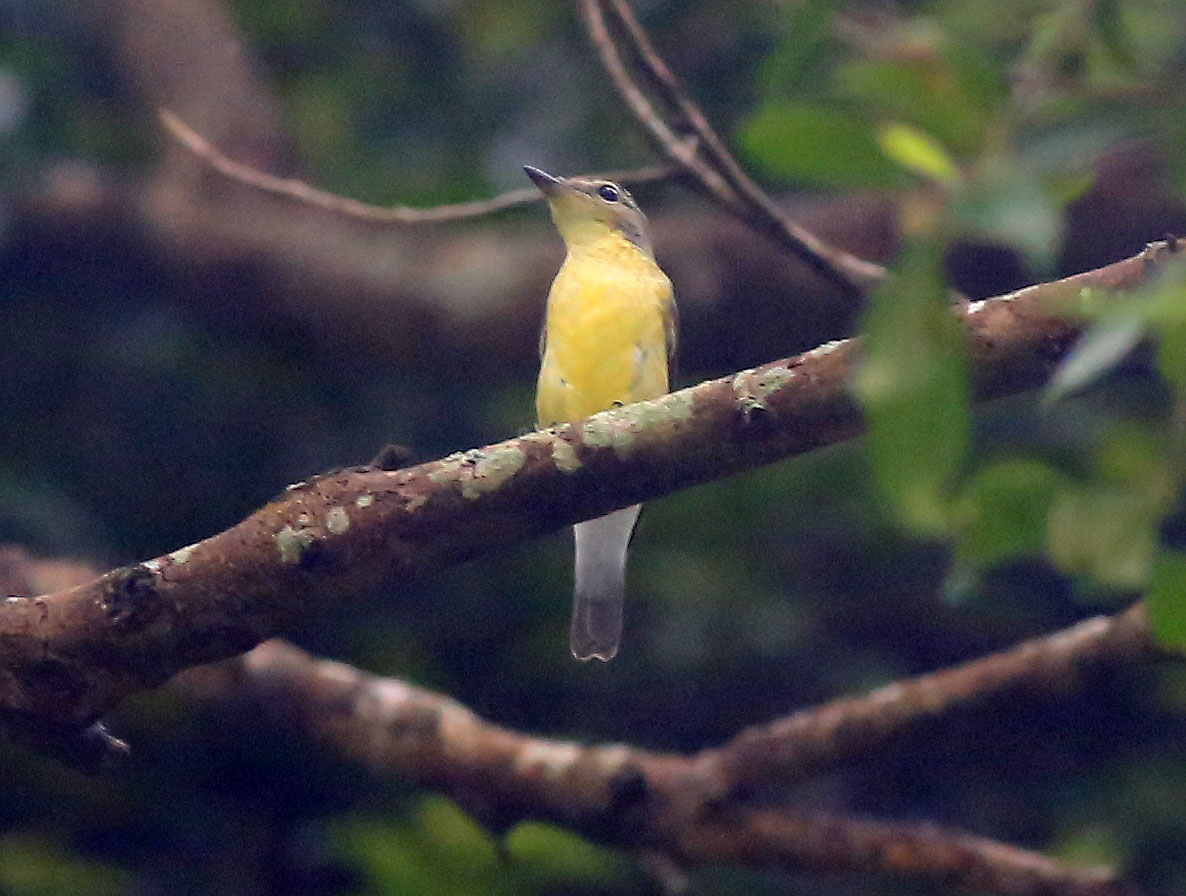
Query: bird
[608,339]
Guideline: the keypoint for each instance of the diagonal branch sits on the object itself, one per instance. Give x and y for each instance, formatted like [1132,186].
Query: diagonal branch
[665,803]
[763,212]
[825,736]
[71,655]
[301,191]
[721,177]
[681,152]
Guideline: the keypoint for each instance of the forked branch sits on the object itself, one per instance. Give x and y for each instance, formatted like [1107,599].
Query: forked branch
[679,807]
[717,173]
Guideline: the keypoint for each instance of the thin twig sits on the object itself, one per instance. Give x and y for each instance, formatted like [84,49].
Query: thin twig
[825,736]
[680,151]
[856,272]
[301,191]
[723,179]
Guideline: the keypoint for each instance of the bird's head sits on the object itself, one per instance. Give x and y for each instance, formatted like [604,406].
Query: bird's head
[586,209]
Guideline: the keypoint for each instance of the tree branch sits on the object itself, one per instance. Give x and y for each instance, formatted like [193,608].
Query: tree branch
[825,736]
[69,656]
[681,811]
[722,177]
[681,152]
[292,188]
[672,805]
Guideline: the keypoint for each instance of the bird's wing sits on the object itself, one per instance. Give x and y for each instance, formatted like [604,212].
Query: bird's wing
[671,329]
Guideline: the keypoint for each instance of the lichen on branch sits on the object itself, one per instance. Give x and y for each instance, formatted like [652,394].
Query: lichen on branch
[70,655]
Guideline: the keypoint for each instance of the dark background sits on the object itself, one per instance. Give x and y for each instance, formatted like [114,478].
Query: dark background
[178,348]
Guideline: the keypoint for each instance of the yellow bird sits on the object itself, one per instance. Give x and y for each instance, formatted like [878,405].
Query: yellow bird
[607,339]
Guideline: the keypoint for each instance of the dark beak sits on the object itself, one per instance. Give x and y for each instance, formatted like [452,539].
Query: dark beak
[547,184]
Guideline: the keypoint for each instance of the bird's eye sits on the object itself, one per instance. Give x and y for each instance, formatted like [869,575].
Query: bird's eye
[608,192]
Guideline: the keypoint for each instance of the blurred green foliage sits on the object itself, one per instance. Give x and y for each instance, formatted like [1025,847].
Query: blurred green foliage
[439,851]
[913,385]
[134,424]
[29,867]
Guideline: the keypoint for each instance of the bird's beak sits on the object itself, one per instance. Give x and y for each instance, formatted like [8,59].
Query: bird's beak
[548,185]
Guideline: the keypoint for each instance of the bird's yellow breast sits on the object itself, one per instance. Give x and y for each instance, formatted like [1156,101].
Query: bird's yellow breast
[606,332]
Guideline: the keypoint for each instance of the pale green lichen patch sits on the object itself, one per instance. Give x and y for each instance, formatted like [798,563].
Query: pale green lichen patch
[292,543]
[610,761]
[564,456]
[337,520]
[607,430]
[752,388]
[549,760]
[826,349]
[180,557]
[364,500]
[619,428]
[666,411]
[1047,288]
[494,467]
[449,467]
[478,471]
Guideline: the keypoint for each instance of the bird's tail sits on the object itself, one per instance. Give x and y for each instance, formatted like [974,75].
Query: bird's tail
[600,583]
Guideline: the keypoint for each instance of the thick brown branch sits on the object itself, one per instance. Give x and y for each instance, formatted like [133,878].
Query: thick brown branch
[681,810]
[292,188]
[666,803]
[72,654]
[723,179]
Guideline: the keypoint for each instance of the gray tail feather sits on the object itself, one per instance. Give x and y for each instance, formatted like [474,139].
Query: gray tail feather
[600,583]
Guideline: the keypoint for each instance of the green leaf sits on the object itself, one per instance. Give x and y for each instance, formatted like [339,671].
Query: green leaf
[930,91]
[918,152]
[1064,187]
[1107,529]
[1009,202]
[1166,599]
[913,386]
[32,866]
[1171,355]
[1157,310]
[1002,513]
[1106,535]
[440,852]
[1105,344]
[824,146]
[561,854]
[796,65]
[1109,25]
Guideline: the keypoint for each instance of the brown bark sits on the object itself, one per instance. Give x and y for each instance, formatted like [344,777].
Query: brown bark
[71,655]
[677,806]
[682,810]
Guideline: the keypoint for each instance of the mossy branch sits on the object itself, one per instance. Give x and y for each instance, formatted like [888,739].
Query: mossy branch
[67,657]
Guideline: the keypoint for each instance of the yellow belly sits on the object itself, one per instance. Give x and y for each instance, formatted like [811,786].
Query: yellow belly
[605,336]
